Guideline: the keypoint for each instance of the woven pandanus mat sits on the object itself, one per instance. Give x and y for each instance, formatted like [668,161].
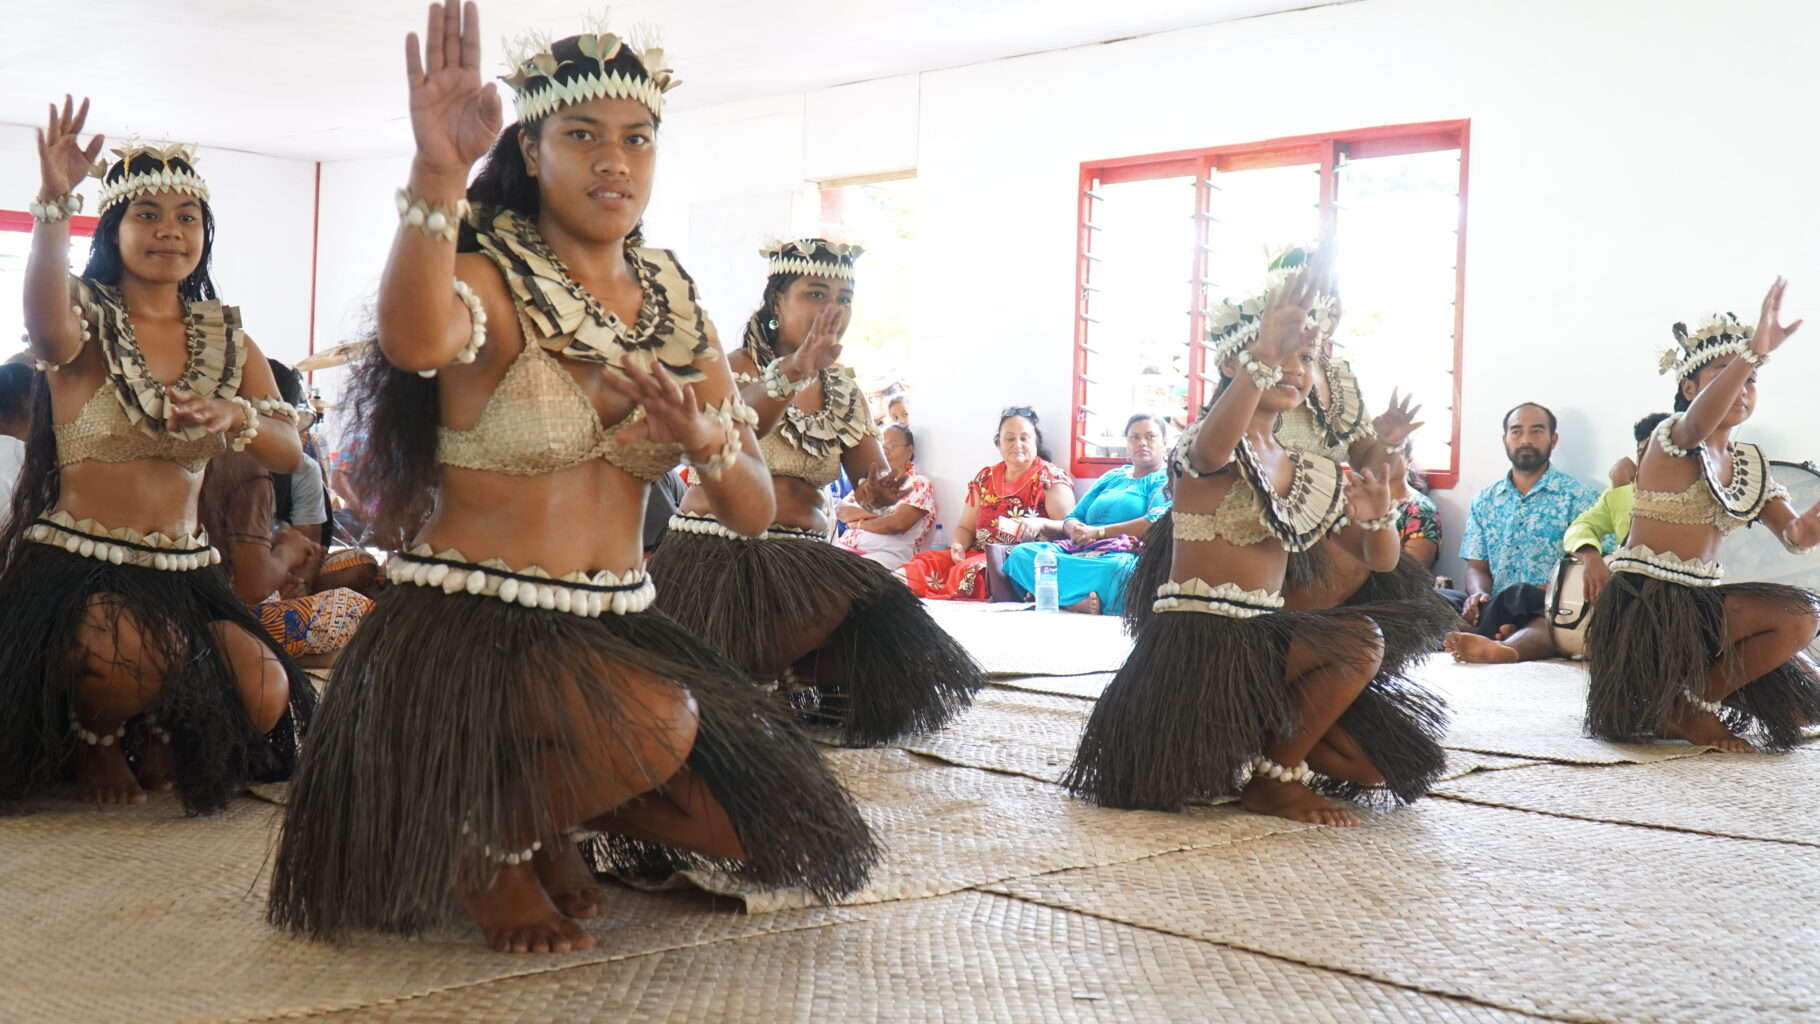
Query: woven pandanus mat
[945,828]
[1749,796]
[1570,919]
[1012,640]
[1088,686]
[1035,734]
[1535,709]
[962,958]
[143,915]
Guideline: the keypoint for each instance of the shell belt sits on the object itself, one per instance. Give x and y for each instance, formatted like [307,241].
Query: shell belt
[585,594]
[1226,599]
[123,546]
[713,527]
[1666,567]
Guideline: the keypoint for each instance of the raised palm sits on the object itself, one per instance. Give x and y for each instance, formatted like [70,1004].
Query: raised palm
[453,116]
[1770,333]
[1368,494]
[1397,421]
[62,159]
[1283,326]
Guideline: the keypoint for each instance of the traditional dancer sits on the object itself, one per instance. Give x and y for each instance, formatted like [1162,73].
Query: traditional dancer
[1334,424]
[1671,651]
[1223,679]
[846,641]
[124,657]
[510,688]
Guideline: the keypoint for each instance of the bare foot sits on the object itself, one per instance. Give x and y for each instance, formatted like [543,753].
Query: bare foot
[1471,648]
[1090,605]
[516,917]
[1294,801]
[157,773]
[1703,729]
[102,776]
[566,879]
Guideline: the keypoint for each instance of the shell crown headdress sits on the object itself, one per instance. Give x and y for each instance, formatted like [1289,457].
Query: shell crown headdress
[1233,324]
[1715,337]
[816,256]
[144,169]
[591,66]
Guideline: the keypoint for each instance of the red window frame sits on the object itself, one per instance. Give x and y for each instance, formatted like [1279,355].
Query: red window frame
[19,220]
[1325,151]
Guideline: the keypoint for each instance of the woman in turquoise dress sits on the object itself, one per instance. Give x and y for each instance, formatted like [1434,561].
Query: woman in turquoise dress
[1100,539]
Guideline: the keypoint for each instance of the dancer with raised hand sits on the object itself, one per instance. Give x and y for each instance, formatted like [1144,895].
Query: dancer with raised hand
[1223,682]
[125,660]
[1672,652]
[511,691]
[843,640]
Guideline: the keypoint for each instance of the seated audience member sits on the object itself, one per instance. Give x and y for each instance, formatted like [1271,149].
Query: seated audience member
[1018,499]
[1100,539]
[282,574]
[897,409]
[1418,521]
[661,502]
[302,496]
[891,537]
[15,425]
[1591,534]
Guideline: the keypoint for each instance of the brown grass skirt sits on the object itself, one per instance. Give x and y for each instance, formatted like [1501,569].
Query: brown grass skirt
[900,671]
[1650,641]
[423,756]
[1201,695]
[216,750]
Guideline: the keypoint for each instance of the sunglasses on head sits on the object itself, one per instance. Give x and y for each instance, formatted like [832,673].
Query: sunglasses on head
[1018,410]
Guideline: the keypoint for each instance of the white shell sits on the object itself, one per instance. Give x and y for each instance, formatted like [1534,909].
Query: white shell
[86,549]
[595,602]
[404,202]
[116,555]
[477,582]
[72,544]
[546,596]
[437,574]
[527,595]
[565,599]
[620,599]
[161,561]
[455,581]
[414,216]
[436,221]
[508,591]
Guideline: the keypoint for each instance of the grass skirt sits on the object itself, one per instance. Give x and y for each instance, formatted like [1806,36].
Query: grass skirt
[1201,695]
[1650,641]
[215,747]
[1415,619]
[423,757]
[900,672]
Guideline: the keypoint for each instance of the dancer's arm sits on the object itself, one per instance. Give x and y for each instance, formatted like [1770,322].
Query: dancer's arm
[875,487]
[1798,533]
[821,348]
[1371,536]
[53,330]
[1390,429]
[277,445]
[423,323]
[1708,409]
[1282,327]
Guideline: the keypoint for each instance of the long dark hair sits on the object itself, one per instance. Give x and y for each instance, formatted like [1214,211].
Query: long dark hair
[760,341]
[38,479]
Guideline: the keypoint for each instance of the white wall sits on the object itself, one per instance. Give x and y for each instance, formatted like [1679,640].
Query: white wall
[1632,164]
[264,207]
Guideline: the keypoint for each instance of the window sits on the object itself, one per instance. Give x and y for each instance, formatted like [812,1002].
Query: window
[1162,235]
[15,246]
[879,214]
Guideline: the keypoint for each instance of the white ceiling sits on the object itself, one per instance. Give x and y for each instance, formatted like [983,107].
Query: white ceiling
[322,79]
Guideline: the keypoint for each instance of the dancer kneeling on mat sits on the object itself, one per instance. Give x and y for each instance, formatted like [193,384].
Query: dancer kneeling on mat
[125,660]
[1671,651]
[1224,682]
[510,690]
[845,642]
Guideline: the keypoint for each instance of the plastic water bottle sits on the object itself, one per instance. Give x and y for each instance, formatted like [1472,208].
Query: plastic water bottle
[938,541]
[1046,599]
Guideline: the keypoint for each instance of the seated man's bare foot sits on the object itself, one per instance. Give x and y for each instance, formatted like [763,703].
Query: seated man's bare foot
[1703,729]
[1090,605]
[516,917]
[103,777]
[157,772]
[1471,648]
[1340,756]
[566,879]
[1294,801]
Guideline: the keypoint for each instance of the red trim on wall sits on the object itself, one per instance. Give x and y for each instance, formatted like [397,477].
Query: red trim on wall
[19,220]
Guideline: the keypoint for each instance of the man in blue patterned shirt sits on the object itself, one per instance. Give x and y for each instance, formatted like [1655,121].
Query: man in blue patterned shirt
[1514,528]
